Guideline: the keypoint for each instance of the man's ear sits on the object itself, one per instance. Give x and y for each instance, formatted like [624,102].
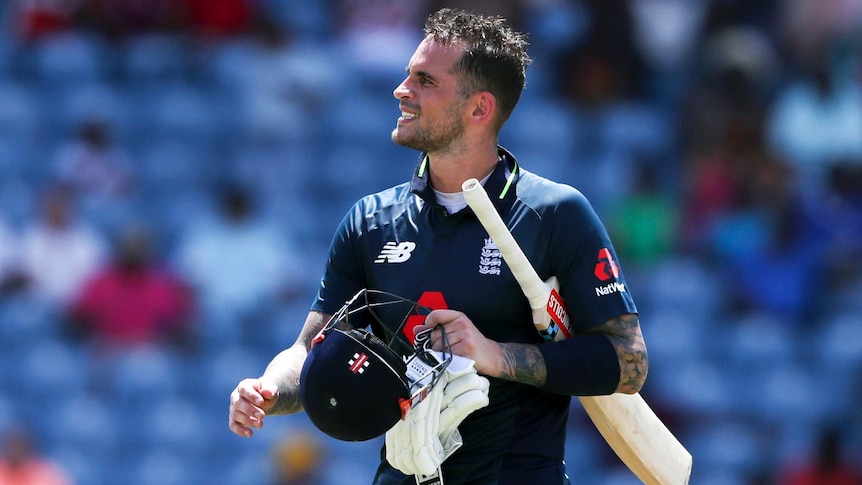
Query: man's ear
[484,107]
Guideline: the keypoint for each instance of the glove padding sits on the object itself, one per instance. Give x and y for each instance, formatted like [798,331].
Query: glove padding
[419,443]
[413,445]
[466,391]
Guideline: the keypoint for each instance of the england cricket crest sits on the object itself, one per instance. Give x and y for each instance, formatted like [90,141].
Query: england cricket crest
[490,260]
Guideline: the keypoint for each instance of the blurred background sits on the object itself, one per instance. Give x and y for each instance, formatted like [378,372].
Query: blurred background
[171,172]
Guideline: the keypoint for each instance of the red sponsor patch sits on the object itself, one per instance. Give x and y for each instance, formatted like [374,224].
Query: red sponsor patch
[606,268]
[429,300]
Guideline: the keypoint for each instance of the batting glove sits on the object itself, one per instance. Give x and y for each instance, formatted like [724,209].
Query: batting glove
[465,392]
[413,445]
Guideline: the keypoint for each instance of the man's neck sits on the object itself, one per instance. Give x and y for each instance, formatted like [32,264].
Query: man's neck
[447,171]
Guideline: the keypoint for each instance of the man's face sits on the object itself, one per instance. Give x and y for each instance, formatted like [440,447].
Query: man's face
[431,106]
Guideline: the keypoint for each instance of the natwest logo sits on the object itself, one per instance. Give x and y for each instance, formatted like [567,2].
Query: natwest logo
[615,287]
[606,268]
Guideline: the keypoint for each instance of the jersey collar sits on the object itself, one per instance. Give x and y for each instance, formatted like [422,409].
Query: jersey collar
[501,186]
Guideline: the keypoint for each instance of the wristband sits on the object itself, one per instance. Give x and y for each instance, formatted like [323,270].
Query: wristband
[586,365]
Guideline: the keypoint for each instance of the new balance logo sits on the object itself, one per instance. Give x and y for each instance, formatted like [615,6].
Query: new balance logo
[396,252]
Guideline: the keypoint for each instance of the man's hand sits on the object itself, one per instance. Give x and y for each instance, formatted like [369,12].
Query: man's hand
[249,403]
[464,339]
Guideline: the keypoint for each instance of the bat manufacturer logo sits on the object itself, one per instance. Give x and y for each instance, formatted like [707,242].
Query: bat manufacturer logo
[394,252]
[606,268]
[358,363]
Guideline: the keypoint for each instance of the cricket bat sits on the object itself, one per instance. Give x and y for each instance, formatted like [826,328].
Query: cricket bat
[628,424]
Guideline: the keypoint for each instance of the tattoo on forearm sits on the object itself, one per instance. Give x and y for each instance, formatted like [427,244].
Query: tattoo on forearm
[523,363]
[626,337]
[288,402]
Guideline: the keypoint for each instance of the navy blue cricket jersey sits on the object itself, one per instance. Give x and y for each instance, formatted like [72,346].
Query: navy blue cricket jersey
[401,241]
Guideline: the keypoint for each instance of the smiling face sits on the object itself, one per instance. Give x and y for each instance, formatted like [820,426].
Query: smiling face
[432,107]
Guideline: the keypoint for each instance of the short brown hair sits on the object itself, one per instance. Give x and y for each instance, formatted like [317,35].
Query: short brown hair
[495,57]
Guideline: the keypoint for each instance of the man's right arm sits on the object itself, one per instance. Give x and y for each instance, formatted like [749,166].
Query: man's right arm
[277,390]
[284,369]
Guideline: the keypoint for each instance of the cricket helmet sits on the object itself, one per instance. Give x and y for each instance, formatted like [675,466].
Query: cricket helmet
[353,385]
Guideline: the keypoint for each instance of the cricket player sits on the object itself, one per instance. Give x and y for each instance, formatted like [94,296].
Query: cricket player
[421,241]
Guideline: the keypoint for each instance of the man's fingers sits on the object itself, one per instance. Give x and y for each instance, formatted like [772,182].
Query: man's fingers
[240,429]
[247,405]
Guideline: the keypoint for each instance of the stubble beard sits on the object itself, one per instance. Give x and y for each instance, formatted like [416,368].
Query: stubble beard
[434,139]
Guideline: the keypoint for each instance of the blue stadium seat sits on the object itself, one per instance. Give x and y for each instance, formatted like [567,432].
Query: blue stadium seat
[84,465]
[82,420]
[839,340]
[145,371]
[52,369]
[728,445]
[184,111]
[637,128]
[174,163]
[92,100]
[154,58]
[17,198]
[698,387]
[158,466]
[172,423]
[71,57]
[223,368]
[758,338]
[21,110]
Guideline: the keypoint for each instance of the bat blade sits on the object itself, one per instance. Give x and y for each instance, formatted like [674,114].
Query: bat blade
[627,423]
[639,438]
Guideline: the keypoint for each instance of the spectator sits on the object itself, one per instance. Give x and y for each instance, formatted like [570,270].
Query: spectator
[239,263]
[279,84]
[93,163]
[35,19]
[297,460]
[817,120]
[722,124]
[134,299]
[605,67]
[9,259]
[644,224]
[219,19]
[827,466]
[378,34]
[514,11]
[22,464]
[59,250]
[121,19]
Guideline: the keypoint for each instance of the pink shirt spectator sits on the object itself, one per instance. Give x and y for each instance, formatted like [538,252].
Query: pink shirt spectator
[132,306]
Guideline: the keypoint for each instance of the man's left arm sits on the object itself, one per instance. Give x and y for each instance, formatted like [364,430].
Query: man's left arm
[526,363]
[625,335]
[610,357]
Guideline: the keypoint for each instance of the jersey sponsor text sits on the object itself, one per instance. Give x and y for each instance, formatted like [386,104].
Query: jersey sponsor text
[615,287]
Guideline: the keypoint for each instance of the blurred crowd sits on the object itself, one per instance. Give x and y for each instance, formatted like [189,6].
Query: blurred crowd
[171,172]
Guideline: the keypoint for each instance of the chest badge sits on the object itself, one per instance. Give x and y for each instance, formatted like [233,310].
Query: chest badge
[490,260]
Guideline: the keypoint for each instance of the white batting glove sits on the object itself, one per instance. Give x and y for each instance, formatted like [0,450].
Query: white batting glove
[466,391]
[413,445]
